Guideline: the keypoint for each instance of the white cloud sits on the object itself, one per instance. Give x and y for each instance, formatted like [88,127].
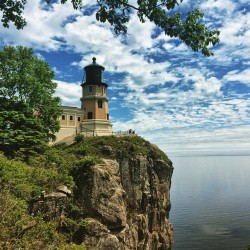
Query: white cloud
[208,86]
[238,76]
[43,29]
[70,93]
[220,5]
[177,111]
[234,37]
[236,33]
[143,38]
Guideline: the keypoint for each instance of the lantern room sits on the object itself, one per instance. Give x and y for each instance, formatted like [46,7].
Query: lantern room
[93,73]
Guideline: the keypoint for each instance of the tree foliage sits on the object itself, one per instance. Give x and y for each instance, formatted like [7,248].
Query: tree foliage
[28,111]
[12,12]
[189,28]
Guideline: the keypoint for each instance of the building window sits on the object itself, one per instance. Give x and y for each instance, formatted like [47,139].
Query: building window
[90,115]
[102,79]
[100,104]
[79,118]
[63,117]
[108,116]
[71,118]
[90,89]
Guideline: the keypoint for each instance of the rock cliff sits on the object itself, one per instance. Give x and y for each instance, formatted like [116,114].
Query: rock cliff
[127,202]
[124,198]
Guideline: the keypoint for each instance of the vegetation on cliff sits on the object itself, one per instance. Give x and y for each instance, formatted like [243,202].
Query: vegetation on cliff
[25,180]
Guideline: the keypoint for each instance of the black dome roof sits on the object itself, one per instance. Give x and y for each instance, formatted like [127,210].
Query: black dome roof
[94,64]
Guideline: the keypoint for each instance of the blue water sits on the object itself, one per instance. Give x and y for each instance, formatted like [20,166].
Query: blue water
[210,199]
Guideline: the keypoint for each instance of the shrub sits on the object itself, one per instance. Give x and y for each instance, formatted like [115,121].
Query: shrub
[79,138]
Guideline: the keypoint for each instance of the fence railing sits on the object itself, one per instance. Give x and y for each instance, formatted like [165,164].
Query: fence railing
[89,132]
[126,132]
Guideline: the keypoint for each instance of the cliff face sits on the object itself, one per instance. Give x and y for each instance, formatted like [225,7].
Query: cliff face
[127,203]
[121,189]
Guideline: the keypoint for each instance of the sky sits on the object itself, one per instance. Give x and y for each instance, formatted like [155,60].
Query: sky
[182,101]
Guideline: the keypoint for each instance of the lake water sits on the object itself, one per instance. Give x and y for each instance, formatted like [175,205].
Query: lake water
[210,199]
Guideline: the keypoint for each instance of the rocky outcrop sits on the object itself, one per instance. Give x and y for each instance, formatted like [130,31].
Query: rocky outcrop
[127,204]
[51,205]
[125,199]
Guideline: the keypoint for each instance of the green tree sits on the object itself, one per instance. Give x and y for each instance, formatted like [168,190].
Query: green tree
[189,28]
[28,111]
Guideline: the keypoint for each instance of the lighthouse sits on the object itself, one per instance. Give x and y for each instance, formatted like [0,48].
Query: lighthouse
[94,101]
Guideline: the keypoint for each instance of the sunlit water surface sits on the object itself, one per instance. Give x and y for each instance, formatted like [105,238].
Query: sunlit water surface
[210,199]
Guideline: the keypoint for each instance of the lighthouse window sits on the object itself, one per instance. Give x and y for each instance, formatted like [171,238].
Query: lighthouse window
[90,88]
[99,104]
[90,115]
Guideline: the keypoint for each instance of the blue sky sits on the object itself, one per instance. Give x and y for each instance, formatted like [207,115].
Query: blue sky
[180,100]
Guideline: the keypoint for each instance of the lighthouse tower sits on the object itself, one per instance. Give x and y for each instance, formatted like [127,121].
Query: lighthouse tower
[94,101]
